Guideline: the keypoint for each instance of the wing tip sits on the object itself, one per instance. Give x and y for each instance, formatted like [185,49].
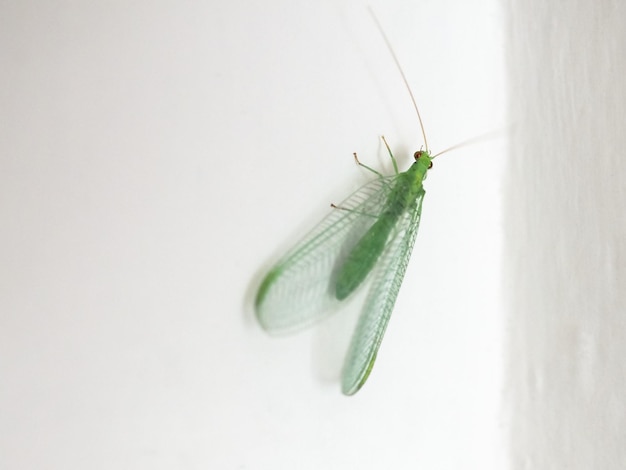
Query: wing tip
[352,383]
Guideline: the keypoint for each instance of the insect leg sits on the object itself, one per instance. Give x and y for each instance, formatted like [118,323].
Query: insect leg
[393,159]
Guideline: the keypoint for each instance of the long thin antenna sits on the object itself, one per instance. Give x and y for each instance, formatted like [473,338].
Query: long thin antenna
[406,83]
[473,140]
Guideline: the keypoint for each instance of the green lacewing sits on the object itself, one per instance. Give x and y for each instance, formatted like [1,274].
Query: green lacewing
[365,240]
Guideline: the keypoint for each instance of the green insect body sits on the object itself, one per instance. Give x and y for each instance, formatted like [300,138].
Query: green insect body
[364,255]
[367,239]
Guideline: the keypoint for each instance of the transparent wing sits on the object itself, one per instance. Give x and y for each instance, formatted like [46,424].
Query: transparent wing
[297,290]
[386,282]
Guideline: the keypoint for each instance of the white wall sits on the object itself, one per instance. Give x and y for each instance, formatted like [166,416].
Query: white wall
[566,235]
[155,156]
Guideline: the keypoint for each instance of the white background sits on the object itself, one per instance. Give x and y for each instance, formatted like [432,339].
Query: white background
[155,157]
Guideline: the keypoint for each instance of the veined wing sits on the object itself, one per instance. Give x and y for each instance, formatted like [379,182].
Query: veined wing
[386,282]
[297,290]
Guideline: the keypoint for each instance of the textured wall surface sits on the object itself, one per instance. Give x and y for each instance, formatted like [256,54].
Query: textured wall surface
[565,240]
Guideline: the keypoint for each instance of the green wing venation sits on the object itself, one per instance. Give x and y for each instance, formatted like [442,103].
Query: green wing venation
[296,291]
[382,295]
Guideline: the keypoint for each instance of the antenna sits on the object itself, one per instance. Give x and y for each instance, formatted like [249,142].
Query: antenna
[473,140]
[397,62]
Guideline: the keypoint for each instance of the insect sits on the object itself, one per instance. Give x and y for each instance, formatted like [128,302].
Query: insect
[365,240]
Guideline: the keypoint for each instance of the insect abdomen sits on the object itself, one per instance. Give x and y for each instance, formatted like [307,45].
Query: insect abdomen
[363,256]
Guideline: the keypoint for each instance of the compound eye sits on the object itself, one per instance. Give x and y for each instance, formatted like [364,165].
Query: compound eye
[430,166]
[418,154]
